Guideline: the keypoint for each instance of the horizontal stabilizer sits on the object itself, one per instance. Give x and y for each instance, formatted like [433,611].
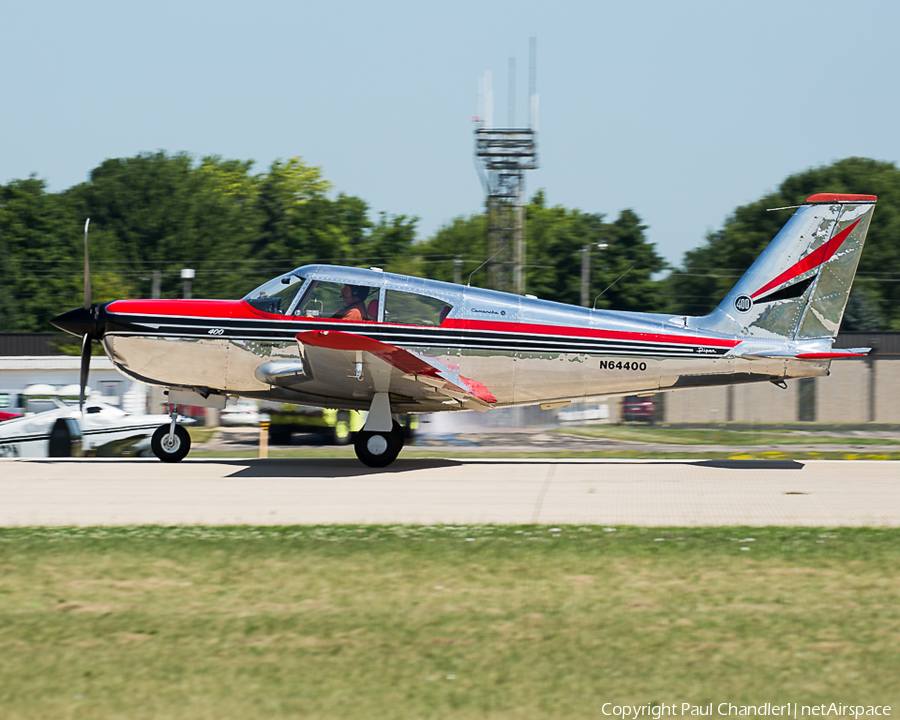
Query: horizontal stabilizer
[841,354]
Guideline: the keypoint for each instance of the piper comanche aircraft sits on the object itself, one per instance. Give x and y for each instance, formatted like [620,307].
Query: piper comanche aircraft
[350,338]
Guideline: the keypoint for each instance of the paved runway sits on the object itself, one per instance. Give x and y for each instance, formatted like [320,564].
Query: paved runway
[467,491]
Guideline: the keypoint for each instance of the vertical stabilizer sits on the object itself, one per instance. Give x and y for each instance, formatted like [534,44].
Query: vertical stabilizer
[798,288]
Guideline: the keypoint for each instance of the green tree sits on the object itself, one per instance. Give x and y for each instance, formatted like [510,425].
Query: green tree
[38,252]
[555,238]
[456,250]
[630,263]
[389,242]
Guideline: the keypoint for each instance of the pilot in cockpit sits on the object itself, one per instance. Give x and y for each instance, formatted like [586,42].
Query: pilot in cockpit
[354,297]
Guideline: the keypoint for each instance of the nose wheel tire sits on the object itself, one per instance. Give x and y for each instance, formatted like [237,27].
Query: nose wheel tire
[170,448]
[378,449]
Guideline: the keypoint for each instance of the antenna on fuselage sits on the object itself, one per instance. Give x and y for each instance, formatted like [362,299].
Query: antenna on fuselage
[594,306]
[469,283]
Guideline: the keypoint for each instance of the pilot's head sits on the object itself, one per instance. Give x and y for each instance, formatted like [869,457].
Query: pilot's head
[352,293]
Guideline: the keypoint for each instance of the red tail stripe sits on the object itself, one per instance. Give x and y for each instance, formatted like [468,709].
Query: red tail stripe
[840,198]
[820,255]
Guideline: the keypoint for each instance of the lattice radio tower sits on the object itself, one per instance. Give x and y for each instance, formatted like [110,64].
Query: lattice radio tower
[502,155]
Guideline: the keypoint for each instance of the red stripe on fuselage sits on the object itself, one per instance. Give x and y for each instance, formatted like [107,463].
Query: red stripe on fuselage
[212,309]
[240,310]
[569,331]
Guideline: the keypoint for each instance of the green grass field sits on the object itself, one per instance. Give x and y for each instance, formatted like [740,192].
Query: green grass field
[723,435]
[739,444]
[446,622]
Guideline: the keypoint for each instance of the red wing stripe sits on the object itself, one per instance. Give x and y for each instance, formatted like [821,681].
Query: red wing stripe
[401,359]
[820,255]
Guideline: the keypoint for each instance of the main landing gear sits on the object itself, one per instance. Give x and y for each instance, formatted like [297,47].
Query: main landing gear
[379,449]
[171,443]
[381,439]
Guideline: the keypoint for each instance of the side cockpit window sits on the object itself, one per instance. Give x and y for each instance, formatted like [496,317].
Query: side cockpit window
[411,309]
[341,301]
[277,295]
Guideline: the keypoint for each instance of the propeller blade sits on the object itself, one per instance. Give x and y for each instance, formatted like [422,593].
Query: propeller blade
[87,269]
[85,367]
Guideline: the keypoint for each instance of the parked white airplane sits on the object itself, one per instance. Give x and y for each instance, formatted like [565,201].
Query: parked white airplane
[101,430]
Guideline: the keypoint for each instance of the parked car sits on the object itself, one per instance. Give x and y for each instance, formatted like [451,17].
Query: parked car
[242,412]
[638,409]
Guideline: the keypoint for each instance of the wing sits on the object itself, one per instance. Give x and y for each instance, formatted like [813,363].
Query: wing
[357,366]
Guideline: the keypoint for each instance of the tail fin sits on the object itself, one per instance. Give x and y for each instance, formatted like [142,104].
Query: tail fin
[798,288]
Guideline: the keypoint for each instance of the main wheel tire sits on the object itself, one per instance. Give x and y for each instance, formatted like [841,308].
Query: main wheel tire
[377,449]
[170,448]
[399,435]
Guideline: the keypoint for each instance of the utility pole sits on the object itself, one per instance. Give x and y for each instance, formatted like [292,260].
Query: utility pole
[157,281]
[585,275]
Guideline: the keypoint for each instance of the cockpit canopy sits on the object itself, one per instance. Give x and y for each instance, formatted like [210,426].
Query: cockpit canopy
[358,296]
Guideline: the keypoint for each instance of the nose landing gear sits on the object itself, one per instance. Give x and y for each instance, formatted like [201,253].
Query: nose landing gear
[171,443]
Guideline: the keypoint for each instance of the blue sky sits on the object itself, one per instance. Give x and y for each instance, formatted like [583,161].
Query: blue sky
[681,111]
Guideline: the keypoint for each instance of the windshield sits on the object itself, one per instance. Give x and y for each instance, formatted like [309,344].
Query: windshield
[277,295]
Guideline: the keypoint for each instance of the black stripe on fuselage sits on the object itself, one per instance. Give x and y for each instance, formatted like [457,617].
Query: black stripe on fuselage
[403,336]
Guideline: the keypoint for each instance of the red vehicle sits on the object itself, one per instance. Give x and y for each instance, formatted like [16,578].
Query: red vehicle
[638,409]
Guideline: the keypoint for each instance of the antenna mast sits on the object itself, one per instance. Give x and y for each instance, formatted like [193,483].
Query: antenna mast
[502,157]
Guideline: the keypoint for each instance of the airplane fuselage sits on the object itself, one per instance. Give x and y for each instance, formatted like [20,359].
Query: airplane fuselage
[364,339]
[523,350]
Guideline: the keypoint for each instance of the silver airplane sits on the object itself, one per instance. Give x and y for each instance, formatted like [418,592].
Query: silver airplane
[351,338]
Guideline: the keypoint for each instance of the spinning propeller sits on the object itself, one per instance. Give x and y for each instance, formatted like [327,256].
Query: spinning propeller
[86,338]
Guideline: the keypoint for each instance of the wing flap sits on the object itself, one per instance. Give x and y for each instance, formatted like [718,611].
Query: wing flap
[409,370]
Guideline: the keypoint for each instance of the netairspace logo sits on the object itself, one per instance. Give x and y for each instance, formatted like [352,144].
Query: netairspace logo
[789,710]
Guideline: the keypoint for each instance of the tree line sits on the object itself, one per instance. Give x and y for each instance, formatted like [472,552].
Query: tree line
[157,213]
